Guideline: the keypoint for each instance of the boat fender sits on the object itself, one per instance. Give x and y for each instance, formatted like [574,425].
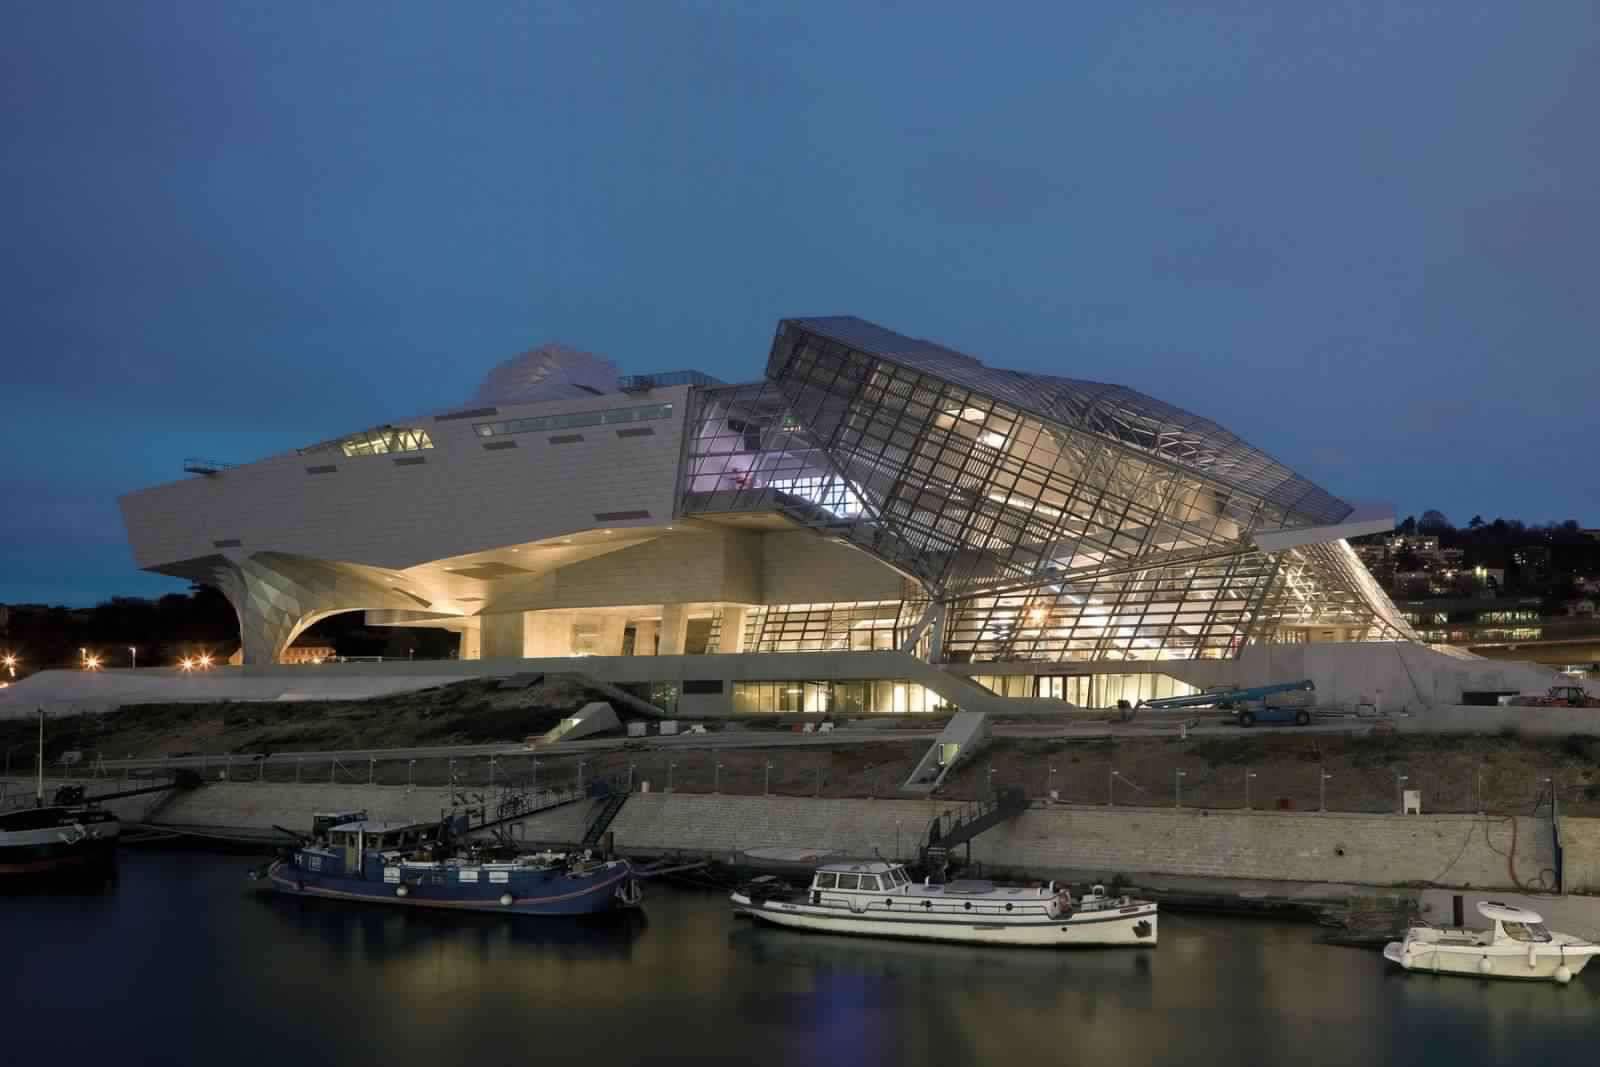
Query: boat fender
[1484,966]
[505,899]
[1533,956]
[401,890]
[1563,974]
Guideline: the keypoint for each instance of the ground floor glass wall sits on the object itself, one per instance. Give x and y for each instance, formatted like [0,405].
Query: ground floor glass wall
[1086,690]
[889,696]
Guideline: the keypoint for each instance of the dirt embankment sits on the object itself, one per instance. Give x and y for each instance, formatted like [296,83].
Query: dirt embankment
[467,713]
[1272,770]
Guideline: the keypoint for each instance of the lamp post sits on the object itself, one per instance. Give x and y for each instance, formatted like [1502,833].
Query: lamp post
[672,765]
[1050,782]
[1400,781]
[492,761]
[133,658]
[1178,792]
[1322,790]
[580,776]
[1480,788]
[766,783]
[372,767]
[1247,776]
[1111,787]
[410,765]
[10,661]
[716,778]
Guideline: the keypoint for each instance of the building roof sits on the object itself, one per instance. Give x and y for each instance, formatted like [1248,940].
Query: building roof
[1115,411]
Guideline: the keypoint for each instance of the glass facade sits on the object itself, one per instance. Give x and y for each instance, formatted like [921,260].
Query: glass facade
[1048,518]
[1087,690]
[609,417]
[889,696]
[378,441]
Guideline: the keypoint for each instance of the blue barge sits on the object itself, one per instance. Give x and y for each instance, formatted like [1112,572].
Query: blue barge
[398,863]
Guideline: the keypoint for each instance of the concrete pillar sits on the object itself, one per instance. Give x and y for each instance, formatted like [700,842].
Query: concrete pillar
[609,640]
[644,637]
[549,634]
[503,635]
[471,640]
[733,618]
[674,628]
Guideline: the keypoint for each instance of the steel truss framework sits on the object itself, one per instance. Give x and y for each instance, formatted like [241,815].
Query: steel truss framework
[1051,519]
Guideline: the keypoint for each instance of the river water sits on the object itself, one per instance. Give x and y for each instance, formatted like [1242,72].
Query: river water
[180,962]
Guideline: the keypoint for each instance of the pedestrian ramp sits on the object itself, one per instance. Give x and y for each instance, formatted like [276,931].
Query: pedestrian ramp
[964,734]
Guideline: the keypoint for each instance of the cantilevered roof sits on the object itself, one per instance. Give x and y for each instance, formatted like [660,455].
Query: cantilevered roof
[1114,411]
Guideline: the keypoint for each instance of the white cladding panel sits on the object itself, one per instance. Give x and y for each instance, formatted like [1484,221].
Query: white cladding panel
[462,498]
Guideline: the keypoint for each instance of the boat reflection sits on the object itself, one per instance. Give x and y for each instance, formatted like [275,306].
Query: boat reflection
[389,933]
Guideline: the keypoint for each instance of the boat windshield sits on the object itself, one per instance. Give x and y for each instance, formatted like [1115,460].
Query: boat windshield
[1526,931]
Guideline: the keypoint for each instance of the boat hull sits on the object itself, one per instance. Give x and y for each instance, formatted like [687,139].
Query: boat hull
[64,845]
[1544,964]
[612,888]
[1126,927]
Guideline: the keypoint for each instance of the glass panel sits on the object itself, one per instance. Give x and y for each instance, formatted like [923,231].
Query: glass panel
[827,880]
[849,881]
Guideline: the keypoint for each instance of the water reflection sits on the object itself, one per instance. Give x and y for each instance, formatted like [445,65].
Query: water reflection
[178,963]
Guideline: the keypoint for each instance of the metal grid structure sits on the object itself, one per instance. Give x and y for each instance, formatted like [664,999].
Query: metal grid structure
[378,441]
[1048,518]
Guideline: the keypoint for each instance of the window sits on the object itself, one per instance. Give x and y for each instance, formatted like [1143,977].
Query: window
[869,882]
[827,880]
[702,687]
[1526,931]
[849,881]
[612,417]
[378,441]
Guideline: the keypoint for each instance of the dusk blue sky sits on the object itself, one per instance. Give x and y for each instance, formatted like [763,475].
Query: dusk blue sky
[1362,236]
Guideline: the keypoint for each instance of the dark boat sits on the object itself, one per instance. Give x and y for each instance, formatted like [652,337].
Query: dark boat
[418,865]
[57,838]
[65,836]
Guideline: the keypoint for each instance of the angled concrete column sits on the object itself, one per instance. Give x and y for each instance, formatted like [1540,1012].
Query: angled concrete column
[549,634]
[504,635]
[644,637]
[471,640]
[674,628]
[277,597]
[609,640]
[733,617]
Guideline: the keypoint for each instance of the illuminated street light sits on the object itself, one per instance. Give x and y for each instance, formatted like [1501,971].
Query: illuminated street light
[91,662]
[186,664]
[133,658]
[204,662]
[10,660]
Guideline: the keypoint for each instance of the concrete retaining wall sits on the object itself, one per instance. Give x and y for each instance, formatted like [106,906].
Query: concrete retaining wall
[1293,846]
[1447,850]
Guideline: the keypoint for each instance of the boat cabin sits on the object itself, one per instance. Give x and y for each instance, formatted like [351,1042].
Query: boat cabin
[875,877]
[347,844]
[1514,924]
[323,821]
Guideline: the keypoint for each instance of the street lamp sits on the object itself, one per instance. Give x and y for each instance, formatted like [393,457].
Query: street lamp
[766,783]
[133,658]
[91,663]
[1178,793]
[10,661]
[1247,776]
[1400,781]
[716,778]
[204,662]
[1322,791]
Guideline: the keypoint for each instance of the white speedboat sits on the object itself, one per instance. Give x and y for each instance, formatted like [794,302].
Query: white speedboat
[1516,945]
[879,899]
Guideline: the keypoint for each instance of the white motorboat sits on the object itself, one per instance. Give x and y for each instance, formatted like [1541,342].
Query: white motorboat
[877,899]
[1516,945]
